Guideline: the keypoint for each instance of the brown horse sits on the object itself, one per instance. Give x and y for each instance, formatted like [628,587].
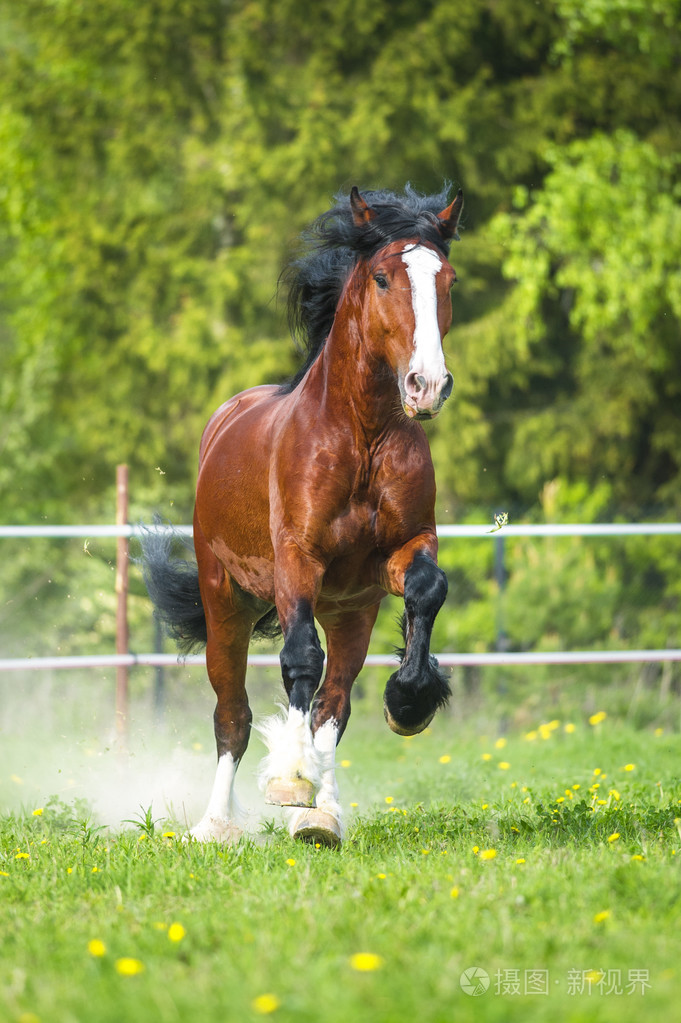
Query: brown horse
[315,499]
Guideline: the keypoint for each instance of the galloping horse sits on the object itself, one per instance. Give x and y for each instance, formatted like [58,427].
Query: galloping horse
[316,498]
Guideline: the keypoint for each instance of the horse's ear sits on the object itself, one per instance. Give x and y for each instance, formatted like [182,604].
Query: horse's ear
[449,218]
[362,213]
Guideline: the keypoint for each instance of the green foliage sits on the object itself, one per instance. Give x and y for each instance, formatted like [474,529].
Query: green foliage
[601,242]
[158,161]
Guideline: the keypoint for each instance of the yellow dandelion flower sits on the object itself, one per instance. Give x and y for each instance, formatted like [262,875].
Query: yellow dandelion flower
[291,862]
[576,786]
[425,852]
[22,856]
[520,860]
[365,962]
[128,967]
[561,799]
[381,877]
[503,765]
[488,854]
[629,767]
[569,728]
[454,893]
[345,763]
[445,758]
[476,849]
[658,732]
[38,812]
[527,799]
[598,717]
[354,805]
[265,1004]
[486,756]
[615,794]
[593,976]
[168,834]
[389,799]
[614,837]
[637,856]
[96,948]
[531,736]
[500,743]
[3,873]
[176,932]
[602,916]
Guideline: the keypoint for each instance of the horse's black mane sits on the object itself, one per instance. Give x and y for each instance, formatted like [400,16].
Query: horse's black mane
[334,244]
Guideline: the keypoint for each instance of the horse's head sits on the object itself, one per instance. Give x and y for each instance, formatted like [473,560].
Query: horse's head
[407,307]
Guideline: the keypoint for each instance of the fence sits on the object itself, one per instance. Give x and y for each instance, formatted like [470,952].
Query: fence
[124,659]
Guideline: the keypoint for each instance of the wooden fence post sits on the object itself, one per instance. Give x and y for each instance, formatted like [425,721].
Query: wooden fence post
[122,632]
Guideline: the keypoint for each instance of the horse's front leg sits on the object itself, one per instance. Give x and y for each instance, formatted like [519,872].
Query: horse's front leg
[347,638]
[418,688]
[291,773]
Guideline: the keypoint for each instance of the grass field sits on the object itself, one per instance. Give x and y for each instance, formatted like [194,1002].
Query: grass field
[544,863]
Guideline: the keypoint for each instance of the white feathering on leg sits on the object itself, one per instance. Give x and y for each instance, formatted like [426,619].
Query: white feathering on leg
[291,752]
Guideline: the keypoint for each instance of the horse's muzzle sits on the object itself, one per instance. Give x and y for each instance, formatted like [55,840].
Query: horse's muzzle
[423,398]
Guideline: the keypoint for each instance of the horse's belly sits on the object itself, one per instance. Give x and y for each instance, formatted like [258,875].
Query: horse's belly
[252,572]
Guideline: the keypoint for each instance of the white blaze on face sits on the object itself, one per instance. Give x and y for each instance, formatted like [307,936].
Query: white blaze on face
[427,359]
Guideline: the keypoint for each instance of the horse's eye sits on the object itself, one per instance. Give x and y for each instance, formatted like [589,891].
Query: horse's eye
[381,281]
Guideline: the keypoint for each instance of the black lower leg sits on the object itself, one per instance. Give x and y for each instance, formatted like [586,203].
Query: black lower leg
[418,688]
[302,659]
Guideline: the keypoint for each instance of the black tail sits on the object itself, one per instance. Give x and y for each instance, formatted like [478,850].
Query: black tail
[173,585]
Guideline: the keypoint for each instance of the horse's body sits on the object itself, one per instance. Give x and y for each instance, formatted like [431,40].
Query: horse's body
[315,500]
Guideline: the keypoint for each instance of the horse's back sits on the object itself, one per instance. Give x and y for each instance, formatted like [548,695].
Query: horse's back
[232,410]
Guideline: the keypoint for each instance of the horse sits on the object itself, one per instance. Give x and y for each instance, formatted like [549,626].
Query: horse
[315,499]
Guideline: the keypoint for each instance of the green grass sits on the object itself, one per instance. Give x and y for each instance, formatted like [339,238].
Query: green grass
[451,861]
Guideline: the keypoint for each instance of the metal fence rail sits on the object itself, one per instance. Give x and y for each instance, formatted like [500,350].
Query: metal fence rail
[126,659]
[443,531]
[449,659]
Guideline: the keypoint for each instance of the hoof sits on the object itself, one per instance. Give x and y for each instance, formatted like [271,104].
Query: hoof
[318,827]
[289,792]
[215,829]
[405,729]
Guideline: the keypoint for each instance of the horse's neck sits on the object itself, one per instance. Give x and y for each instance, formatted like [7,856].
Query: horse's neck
[352,383]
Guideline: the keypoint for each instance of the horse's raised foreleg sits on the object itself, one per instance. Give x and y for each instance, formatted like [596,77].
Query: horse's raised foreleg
[418,688]
[347,638]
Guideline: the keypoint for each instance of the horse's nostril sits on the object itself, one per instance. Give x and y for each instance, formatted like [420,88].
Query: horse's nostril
[421,383]
[448,387]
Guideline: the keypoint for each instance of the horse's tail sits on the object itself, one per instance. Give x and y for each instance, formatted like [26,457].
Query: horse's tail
[173,585]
